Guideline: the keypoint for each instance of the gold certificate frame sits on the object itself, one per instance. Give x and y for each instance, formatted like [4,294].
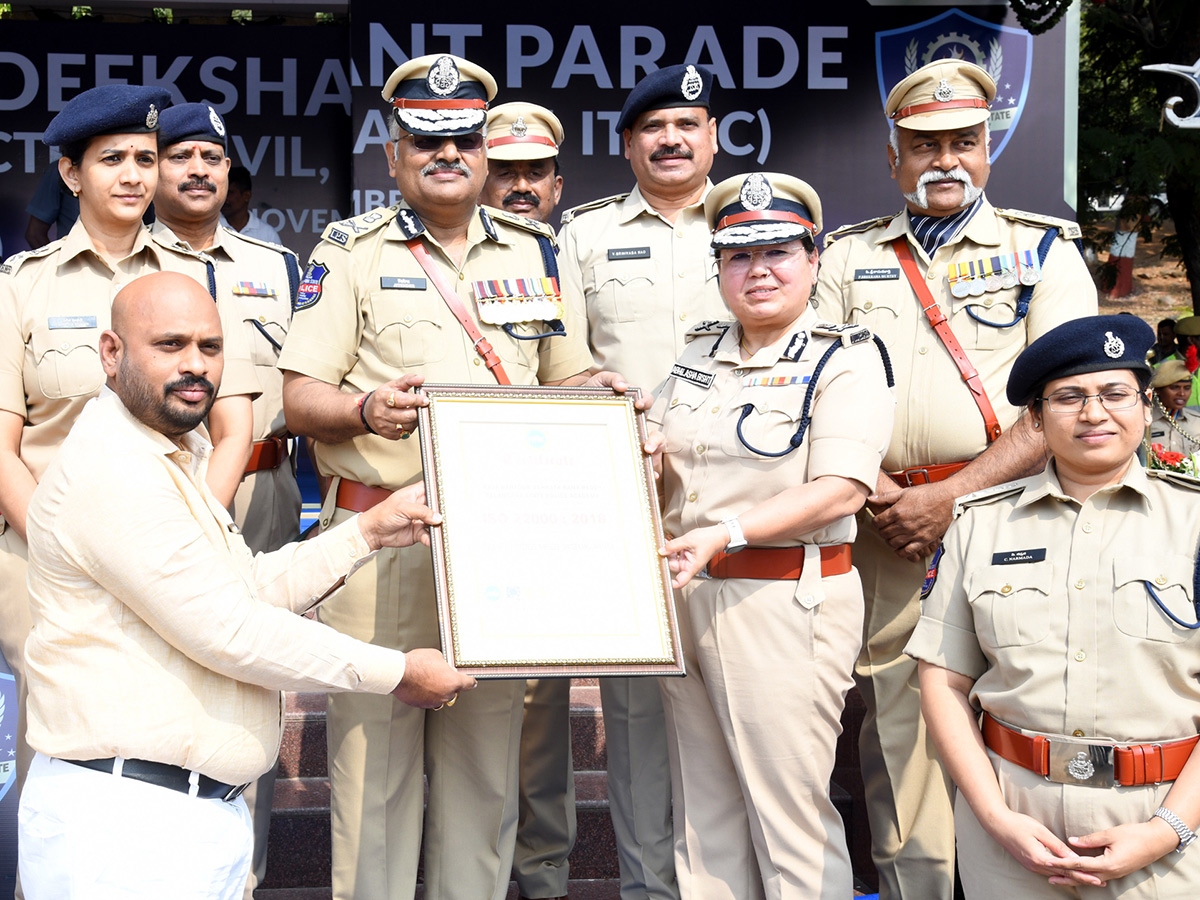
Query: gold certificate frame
[546,563]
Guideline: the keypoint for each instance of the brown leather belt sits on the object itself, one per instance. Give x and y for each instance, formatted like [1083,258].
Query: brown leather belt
[926,474]
[1077,762]
[777,563]
[359,497]
[268,454]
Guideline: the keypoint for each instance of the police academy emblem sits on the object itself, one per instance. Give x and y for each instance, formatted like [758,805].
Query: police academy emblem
[1114,347]
[217,124]
[519,128]
[443,77]
[152,117]
[692,84]
[756,192]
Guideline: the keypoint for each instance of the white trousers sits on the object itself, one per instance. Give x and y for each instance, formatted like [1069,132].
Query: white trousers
[86,835]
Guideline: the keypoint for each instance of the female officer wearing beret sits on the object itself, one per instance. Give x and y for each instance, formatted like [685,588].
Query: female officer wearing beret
[774,426]
[1061,607]
[55,302]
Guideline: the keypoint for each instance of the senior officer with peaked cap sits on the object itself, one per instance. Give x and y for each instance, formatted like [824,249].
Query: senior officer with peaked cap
[641,270]
[55,303]
[1062,608]
[522,147]
[989,281]
[374,319]
[774,428]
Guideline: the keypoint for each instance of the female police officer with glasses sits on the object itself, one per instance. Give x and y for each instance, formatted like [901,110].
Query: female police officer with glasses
[1059,648]
[774,426]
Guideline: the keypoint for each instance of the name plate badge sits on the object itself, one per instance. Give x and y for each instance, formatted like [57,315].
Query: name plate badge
[629,253]
[876,274]
[692,376]
[1018,557]
[72,322]
[395,283]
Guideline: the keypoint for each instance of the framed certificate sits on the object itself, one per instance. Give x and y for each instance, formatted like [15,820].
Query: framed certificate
[547,560]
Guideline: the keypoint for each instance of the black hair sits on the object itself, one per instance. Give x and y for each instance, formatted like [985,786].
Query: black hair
[74,150]
[239,177]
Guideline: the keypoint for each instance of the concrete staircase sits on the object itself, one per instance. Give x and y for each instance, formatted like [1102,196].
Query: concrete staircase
[298,863]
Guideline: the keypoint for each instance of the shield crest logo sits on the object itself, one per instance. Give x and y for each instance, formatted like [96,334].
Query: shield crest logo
[1004,52]
[8,731]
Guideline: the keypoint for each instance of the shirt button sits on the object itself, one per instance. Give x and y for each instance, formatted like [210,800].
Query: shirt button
[1160,580]
[987,302]
[932,275]
[699,448]
[716,409]
[692,497]
[263,319]
[461,276]
[683,274]
[737,371]
[678,232]
[476,360]
[923,350]
[683,317]
[65,346]
[1007,589]
[1079,584]
[408,318]
[674,402]
[1080,656]
[1078,733]
[868,305]
[1087,527]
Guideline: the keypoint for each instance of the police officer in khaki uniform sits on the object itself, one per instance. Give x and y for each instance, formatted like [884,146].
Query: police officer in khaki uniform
[642,271]
[775,426]
[373,319]
[54,304]
[523,179]
[1000,278]
[1175,426]
[193,177]
[1062,607]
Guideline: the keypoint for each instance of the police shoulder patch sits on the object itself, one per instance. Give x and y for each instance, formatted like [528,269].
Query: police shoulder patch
[989,495]
[858,228]
[848,334]
[310,288]
[931,572]
[1067,230]
[270,245]
[521,222]
[593,204]
[346,231]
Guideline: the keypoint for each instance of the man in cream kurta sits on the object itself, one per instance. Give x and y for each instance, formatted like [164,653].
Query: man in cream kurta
[939,158]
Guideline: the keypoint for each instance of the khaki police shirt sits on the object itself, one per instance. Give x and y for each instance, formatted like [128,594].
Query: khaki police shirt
[709,474]
[640,282]
[1162,432]
[1043,601]
[378,317]
[937,420]
[156,634]
[54,303]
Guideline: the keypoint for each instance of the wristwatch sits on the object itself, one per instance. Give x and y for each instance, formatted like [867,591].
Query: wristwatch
[737,540]
[1186,835]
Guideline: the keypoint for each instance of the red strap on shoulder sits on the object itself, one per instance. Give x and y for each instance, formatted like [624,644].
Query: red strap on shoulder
[482,347]
[938,320]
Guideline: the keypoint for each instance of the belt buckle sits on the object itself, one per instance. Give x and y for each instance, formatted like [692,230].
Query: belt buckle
[234,792]
[1074,762]
[911,476]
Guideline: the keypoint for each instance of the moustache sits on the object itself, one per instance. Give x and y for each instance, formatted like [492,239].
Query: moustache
[671,153]
[519,196]
[189,382]
[202,183]
[956,174]
[441,165]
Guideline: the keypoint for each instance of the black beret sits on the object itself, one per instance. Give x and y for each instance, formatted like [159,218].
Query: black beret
[190,122]
[1090,344]
[108,109]
[674,86]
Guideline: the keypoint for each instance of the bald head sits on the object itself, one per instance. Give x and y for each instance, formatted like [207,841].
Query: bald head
[163,354]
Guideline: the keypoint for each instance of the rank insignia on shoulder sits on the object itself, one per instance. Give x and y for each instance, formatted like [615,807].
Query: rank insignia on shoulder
[931,573]
[711,326]
[337,236]
[309,291]
[847,333]
[5,270]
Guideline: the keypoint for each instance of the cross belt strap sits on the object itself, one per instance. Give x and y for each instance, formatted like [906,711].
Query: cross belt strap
[938,320]
[482,347]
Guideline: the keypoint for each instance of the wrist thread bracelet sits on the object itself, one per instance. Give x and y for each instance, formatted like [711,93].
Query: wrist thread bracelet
[1186,835]
[362,412]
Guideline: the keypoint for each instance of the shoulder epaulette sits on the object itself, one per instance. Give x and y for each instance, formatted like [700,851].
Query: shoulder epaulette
[1067,230]
[988,495]
[346,231]
[10,265]
[710,327]
[1179,479]
[848,334]
[525,224]
[270,245]
[857,228]
[592,204]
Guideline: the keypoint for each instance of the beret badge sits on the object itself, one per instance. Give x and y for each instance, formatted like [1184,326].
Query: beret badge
[692,84]
[1114,347]
[152,117]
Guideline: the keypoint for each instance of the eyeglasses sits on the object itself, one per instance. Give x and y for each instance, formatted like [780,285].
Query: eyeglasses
[1074,401]
[466,143]
[741,261]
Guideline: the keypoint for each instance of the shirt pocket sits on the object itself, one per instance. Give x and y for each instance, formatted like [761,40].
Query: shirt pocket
[408,328]
[264,314]
[877,304]
[685,410]
[1011,603]
[515,352]
[1134,610]
[68,361]
[986,322]
[619,285]
[770,424]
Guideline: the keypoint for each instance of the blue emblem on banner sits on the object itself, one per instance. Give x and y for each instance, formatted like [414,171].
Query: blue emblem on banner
[8,733]
[1005,53]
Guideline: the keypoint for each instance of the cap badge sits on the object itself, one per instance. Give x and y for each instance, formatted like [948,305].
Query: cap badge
[1114,347]
[443,76]
[217,124]
[756,192]
[943,93]
[692,84]
[152,117]
[519,128]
